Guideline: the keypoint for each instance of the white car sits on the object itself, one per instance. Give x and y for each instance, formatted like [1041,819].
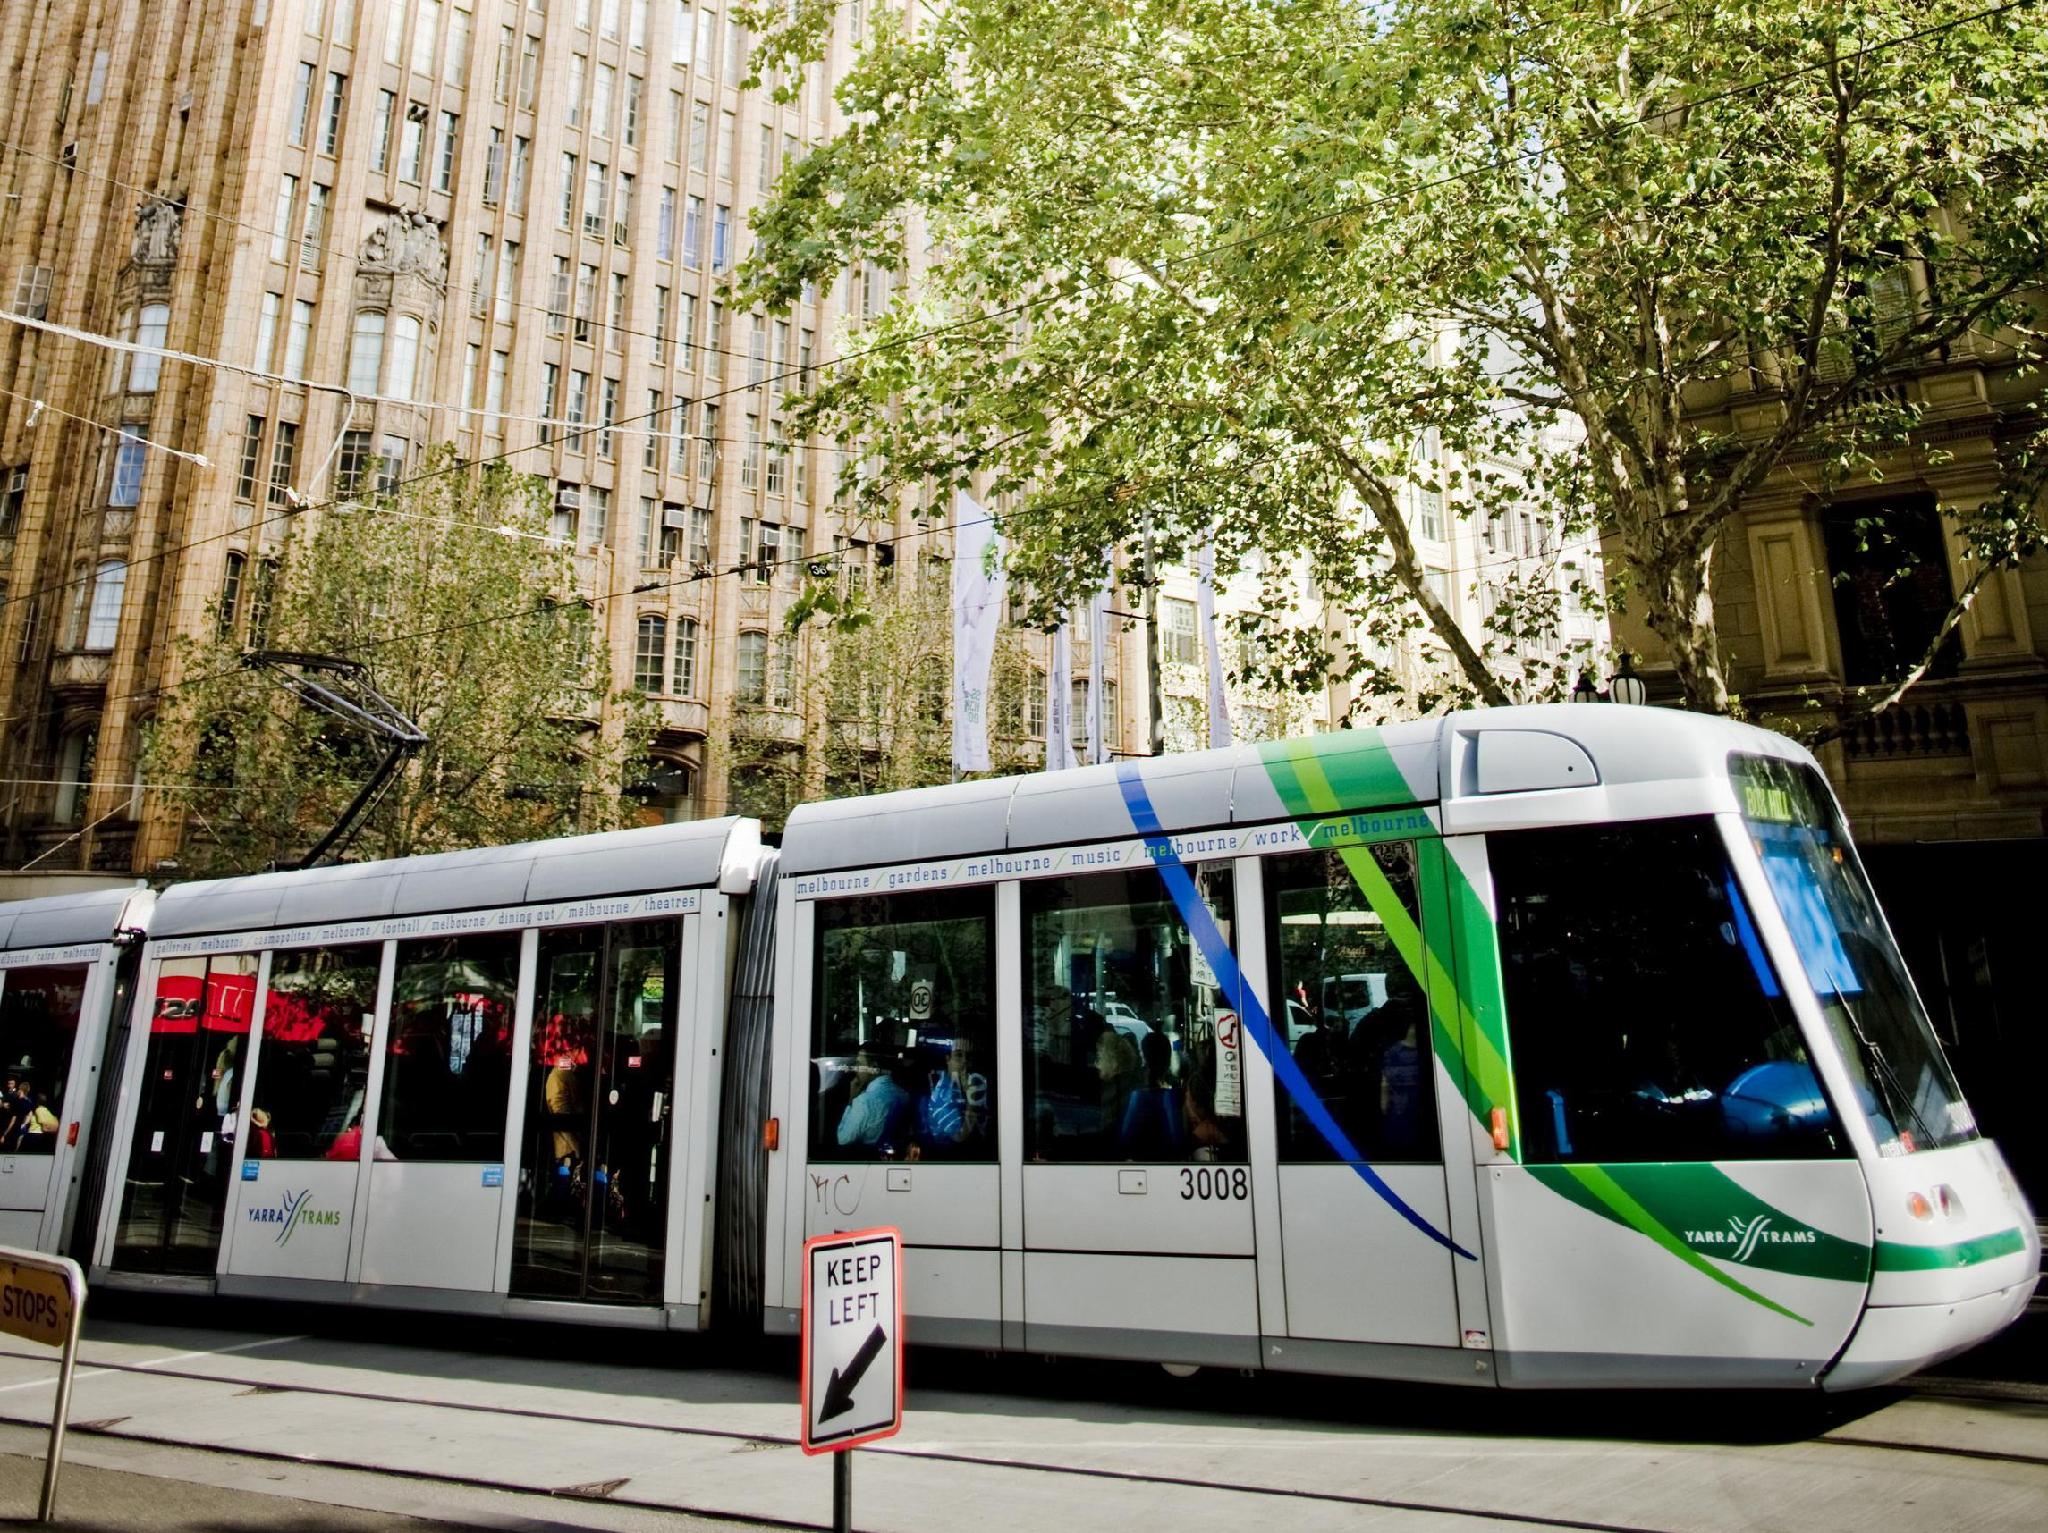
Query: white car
[1118,1014]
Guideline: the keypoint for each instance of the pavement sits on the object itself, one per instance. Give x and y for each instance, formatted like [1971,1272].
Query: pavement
[231,1417]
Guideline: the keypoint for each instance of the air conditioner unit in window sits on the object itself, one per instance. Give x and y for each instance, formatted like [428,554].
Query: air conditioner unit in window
[567,498]
[675,517]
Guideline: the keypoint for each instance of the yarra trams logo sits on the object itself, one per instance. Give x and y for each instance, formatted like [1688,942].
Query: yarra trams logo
[292,1211]
[1745,1235]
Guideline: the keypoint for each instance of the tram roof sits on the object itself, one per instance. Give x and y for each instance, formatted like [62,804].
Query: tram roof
[66,920]
[1481,754]
[687,856]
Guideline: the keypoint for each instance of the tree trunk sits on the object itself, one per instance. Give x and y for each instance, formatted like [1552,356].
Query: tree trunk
[1679,608]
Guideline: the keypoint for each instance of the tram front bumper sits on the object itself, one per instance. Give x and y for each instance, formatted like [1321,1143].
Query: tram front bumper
[1893,1340]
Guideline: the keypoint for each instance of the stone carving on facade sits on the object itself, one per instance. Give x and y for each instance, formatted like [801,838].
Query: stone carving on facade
[403,244]
[159,226]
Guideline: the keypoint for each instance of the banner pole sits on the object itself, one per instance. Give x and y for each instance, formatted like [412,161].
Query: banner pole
[55,1458]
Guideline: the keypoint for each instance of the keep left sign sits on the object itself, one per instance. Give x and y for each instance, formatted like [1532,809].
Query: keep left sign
[852,1339]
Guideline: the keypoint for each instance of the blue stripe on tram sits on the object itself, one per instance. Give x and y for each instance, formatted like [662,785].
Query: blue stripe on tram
[1201,925]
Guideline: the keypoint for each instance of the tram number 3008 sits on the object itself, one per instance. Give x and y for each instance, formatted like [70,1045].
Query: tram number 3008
[1215,1184]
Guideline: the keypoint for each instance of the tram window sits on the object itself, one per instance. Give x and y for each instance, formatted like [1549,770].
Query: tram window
[1645,1022]
[903,1031]
[449,1049]
[38,1023]
[1121,1055]
[314,1067]
[1350,1008]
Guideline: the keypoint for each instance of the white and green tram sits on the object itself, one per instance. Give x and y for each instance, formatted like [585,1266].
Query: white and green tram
[1544,1046]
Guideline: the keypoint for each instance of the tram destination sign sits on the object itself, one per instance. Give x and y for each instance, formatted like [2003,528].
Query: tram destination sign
[852,1339]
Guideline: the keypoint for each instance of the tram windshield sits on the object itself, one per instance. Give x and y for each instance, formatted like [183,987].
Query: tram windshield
[1904,1083]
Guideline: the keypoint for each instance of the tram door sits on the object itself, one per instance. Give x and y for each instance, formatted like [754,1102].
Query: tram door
[182,1151]
[1677,1196]
[1365,1233]
[1137,1187]
[593,1189]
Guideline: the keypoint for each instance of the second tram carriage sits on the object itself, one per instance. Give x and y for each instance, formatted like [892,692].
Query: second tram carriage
[1536,1046]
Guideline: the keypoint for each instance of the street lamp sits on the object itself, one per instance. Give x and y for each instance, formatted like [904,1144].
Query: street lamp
[1585,691]
[1625,686]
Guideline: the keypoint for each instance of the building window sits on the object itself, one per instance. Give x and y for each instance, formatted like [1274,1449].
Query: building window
[700,136]
[1892,592]
[130,457]
[597,513]
[412,146]
[252,459]
[103,619]
[230,595]
[366,354]
[284,452]
[522,159]
[693,231]
[700,538]
[380,143]
[13,496]
[75,769]
[330,112]
[579,396]
[752,680]
[281,227]
[444,178]
[494,168]
[402,379]
[298,339]
[351,469]
[650,654]
[608,412]
[550,397]
[391,456]
[151,330]
[301,109]
[568,190]
[686,657]
[721,237]
[596,177]
[32,293]
[1177,631]
[601,88]
[429,13]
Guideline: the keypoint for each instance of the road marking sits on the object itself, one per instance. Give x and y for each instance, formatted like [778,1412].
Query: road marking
[157,1362]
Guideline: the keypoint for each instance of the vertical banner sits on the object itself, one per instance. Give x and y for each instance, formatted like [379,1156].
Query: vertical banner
[977,613]
[1059,703]
[1098,669]
[1205,592]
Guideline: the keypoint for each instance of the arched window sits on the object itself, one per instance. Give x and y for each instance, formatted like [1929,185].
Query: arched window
[403,378]
[366,354]
[650,654]
[151,330]
[103,621]
[753,667]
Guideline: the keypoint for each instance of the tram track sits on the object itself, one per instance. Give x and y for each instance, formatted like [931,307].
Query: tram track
[612,1493]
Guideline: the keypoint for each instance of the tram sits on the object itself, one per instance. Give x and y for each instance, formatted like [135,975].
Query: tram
[1544,1047]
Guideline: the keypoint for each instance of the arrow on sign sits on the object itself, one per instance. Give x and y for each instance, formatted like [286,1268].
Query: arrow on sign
[839,1391]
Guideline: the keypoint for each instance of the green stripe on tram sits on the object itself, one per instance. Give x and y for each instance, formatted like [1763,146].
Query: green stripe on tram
[1892,1256]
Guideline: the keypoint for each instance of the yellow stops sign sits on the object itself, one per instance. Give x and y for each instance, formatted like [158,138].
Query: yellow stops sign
[35,1303]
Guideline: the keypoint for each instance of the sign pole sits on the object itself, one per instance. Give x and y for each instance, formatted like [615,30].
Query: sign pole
[842,1491]
[42,1299]
[54,1460]
[852,1383]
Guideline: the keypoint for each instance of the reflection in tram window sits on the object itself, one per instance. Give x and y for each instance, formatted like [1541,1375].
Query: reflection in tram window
[1354,1015]
[1645,1019]
[1121,1047]
[449,1059]
[38,1024]
[903,1041]
[315,1064]
[183,1150]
